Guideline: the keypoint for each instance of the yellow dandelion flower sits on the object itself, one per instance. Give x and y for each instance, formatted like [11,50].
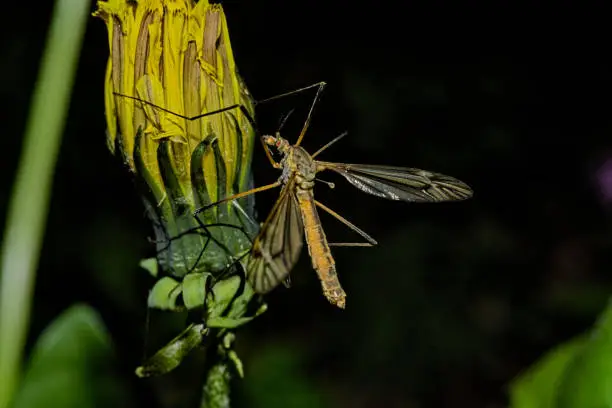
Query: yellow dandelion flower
[171,59]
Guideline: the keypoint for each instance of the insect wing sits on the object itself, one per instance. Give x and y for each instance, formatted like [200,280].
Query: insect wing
[401,183]
[277,247]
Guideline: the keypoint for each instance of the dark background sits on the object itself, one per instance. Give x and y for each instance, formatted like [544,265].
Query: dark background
[458,297]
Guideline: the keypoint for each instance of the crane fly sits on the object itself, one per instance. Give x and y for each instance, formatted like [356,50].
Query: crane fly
[277,246]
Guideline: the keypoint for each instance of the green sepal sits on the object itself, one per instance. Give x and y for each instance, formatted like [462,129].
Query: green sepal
[187,247]
[164,294]
[233,322]
[173,353]
[223,214]
[227,322]
[228,304]
[198,183]
[233,356]
[157,207]
[195,286]
[223,292]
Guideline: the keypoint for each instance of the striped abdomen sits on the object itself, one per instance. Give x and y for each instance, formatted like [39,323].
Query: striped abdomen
[318,248]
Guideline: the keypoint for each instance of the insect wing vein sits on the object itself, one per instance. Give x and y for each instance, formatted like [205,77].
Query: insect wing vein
[401,183]
[278,246]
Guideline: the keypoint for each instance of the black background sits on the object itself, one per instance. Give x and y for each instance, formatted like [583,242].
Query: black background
[458,297]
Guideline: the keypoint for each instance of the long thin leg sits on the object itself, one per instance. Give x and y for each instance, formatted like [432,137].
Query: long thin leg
[334,140]
[226,274]
[210,237]
[195,230]
[319,84]
[239,195]
[241,107]
[200,255]
[273,162]
[371,241]
[202,230]
[350,244]
[204,233]
[307,122]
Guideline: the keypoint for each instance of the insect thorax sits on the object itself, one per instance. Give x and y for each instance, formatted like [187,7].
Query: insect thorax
[300,163]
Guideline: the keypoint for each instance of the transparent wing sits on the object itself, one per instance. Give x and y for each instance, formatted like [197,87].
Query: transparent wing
[401,183]
[277,247]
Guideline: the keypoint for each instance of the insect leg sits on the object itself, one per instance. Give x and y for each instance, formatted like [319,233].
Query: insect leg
[334,140]
[321,85]
[273,162]
[241,107]
[195,264]
[202,230]
[239,195]
[307,122]
[371,241]
[238,106]
[210,237]
[196,230]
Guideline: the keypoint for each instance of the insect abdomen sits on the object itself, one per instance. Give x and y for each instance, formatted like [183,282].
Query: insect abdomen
[318,248]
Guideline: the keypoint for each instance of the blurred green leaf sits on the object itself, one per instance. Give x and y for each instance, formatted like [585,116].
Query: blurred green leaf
[537,387]
[582,300]
[577,374]
[587,381]
[114,273]
[276,379]
[71,365]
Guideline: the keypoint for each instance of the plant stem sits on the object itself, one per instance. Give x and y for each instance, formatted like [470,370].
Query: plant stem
[28,206]
[216,393]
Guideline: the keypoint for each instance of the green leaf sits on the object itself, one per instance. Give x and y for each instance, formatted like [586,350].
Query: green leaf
[537,387]
[164,293]
[70,366]
[223,292]
[587,382]
[150,265]
[171,355]
[194,289]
